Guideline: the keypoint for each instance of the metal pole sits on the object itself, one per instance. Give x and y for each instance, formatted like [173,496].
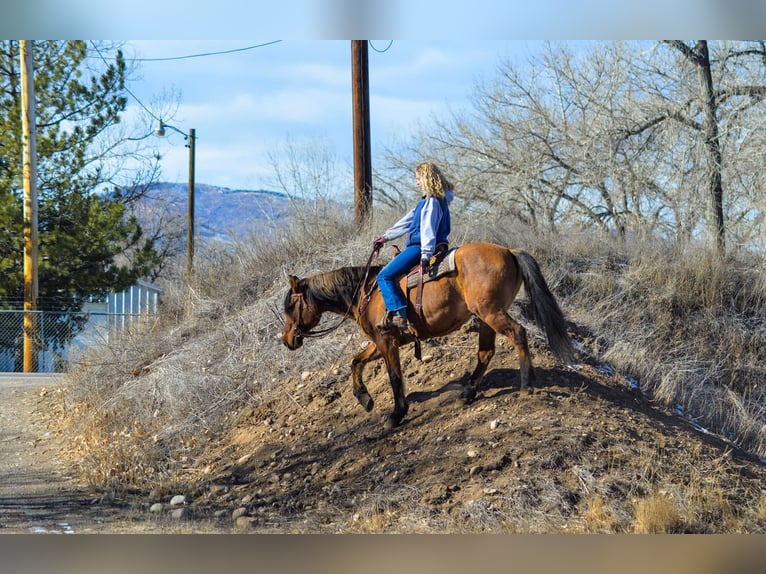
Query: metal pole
[361,113]
[190,227]
[30,205]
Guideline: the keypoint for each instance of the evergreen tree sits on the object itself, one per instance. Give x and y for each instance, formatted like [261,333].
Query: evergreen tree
[89,244]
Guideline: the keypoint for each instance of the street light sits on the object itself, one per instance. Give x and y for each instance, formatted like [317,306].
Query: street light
[190,138]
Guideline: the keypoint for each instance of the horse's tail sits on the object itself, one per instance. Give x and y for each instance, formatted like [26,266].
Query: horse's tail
[546,311]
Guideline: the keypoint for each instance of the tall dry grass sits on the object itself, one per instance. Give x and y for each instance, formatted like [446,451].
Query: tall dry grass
[686,324]
[142,403]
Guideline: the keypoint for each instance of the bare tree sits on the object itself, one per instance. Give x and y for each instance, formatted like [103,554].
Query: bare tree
[628,137]
[713,95]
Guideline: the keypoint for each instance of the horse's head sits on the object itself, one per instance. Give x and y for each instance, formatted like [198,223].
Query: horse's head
[300,314]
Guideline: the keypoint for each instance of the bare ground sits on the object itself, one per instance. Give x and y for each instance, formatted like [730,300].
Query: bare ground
[38,493]
[584,453]
[39,489]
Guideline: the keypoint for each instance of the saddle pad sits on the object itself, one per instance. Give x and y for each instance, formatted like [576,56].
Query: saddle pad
[445,265]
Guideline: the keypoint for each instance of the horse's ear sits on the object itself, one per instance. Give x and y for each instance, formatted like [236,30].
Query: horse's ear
[293,283]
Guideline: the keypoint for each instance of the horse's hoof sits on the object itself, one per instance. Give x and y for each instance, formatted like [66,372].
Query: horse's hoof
[391,423]
[395,418]
[468,396]
[366,401]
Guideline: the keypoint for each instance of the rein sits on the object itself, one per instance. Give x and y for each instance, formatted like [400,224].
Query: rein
[359,290]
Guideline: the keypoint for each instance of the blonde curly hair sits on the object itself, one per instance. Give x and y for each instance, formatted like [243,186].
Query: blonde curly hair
[432,180]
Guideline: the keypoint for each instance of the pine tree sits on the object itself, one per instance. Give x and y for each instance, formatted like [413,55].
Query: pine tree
[89,245]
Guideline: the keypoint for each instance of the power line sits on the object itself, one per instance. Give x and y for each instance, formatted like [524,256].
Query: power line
[204,54]
[140,103]
[383,50]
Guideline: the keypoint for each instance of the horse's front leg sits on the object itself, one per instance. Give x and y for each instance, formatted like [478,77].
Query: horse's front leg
[370,353]
[390,351]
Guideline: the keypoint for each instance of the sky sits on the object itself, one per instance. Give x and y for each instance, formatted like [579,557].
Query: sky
[245,106]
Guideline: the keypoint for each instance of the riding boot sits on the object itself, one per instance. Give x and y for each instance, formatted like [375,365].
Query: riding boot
[394,320]
[385,322]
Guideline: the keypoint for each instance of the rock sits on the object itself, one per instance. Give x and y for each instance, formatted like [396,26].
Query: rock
[156,507]
[178,500]
[241,511]
[494,424]
[245,522]
[180,513]
[217,488]
[472,454]
[474,470]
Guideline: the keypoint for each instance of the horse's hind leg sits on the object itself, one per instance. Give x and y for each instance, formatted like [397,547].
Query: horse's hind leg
[485,354]
[502,323]
[370,353]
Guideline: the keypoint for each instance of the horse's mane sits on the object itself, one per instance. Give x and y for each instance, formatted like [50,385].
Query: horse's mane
[339,286]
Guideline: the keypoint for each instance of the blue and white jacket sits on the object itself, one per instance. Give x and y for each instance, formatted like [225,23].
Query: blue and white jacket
[427,224]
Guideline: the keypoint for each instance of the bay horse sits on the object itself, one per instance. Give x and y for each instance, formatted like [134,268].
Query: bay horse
[486,280]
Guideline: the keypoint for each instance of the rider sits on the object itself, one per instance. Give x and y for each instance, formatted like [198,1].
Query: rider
[426,225]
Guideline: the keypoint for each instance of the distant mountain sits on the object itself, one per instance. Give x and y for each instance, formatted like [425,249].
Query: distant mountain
[219,212]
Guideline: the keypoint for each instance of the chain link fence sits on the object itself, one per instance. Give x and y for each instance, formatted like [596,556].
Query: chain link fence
[56,337]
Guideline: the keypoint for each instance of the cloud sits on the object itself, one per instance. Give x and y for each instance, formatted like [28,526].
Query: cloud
[281,106]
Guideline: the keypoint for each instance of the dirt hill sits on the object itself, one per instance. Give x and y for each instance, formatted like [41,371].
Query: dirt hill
[584,453]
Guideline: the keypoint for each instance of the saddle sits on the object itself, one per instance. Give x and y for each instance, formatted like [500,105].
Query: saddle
[444,264]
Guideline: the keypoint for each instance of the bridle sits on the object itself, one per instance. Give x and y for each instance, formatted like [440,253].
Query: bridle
[300,333]
[300,302]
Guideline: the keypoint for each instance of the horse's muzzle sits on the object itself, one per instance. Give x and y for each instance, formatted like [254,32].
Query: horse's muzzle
[292,341]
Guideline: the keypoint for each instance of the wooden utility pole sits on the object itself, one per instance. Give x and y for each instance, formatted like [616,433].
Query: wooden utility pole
[190,227]
[362,156]
[28,127]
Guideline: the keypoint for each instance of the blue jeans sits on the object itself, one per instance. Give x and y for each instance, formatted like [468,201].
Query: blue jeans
[389,276]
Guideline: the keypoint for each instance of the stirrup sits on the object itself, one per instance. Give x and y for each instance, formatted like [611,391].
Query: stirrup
[399,322]
[385,322]
[391,321]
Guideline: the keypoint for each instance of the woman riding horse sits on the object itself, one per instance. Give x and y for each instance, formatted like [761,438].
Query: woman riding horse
[485,282]
[426,225]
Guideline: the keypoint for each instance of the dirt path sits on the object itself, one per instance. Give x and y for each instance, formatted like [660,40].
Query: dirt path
[36,493]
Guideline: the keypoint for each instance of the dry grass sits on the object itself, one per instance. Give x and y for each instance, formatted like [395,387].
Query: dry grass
[686,324]
[657,514]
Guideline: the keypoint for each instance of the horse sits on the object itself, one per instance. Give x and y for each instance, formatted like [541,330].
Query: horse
[484,284]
